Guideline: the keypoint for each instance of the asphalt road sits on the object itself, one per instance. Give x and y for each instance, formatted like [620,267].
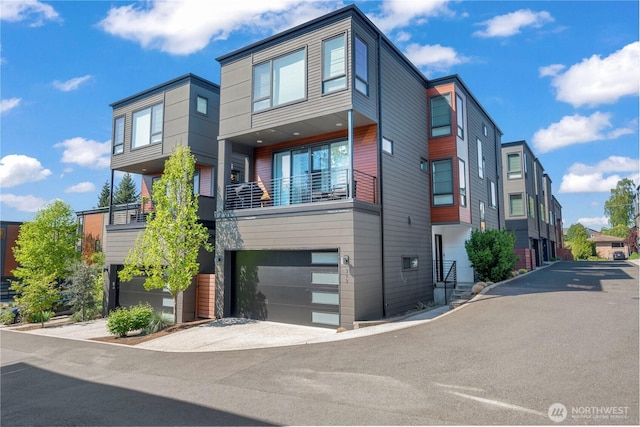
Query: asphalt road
[566,334]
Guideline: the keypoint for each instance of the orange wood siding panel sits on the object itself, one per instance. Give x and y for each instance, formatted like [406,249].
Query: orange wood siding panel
[9,262]
[206,296]
[205,180]
[93,225]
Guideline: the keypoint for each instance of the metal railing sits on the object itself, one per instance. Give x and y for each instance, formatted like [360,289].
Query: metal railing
[445,272]
[308,188]
[129,213]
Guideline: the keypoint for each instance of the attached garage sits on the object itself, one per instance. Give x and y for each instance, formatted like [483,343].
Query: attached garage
[295,286]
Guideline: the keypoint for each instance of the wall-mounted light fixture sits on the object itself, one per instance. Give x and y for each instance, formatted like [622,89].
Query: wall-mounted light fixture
[345,260]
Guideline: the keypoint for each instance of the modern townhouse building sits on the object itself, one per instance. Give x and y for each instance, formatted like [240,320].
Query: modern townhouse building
[466,168]
[531,212]
[9,231]
[147,127]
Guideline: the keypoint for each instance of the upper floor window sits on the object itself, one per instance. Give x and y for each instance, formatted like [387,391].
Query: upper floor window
[485,132]
[362,67]
[196,181]
[202,105]
[147,126]
[387,145]
[480,159]
[441,115]
[460,116]
[532,207]
[514,168]
[462,182]
[334,75]
[483,218]
[118,135]
[279,81]
[442,179]
[493,195]
[516,206]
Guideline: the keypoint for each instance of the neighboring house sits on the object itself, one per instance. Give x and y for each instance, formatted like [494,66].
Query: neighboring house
[9,231]
[146,129]
[607,245]
[466,168]
[92,230]
[532,212]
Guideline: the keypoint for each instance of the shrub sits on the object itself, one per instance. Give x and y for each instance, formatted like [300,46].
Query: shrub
[157,323]
[7,316]
[42,316]
[122,320]
[492,253]
[523,271]
[634,255]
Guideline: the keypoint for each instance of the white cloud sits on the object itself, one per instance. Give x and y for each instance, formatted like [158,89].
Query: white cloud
[596,80]
[595,222]
[9,104]
[511,23]
[86,152]
[601,177]
[81,187]
[23,203]
[551,70]
[577,129]
[401,13]
[611,164]
[71,84]
[27,10]
[434,57]
[588,183]
[185,27]
[16,169]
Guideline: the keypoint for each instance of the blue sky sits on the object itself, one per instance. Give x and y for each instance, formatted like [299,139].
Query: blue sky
[564,76]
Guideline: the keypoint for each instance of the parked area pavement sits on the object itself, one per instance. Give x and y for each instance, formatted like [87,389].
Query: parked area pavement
[229,334]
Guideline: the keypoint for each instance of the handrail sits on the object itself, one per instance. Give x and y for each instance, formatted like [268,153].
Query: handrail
[440,277]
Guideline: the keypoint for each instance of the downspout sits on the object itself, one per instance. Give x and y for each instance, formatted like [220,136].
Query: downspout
[350,142]
[379,154]
[111,200]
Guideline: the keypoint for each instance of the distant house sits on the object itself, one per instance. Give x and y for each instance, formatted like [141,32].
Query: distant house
[607,245]
[8,235]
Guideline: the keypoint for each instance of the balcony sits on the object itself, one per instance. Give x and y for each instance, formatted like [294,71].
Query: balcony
[315,187]
[135,214]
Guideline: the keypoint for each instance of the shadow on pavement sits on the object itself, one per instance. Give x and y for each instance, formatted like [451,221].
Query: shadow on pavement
[37,397]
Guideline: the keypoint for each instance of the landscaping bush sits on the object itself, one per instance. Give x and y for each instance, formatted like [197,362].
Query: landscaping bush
[492,254]
[523,271]
[157,323]
[42,316]
[7,316]
[121,321]
[634,255]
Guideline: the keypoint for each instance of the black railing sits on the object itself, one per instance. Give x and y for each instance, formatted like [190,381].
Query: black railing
[445,273]
[129,213]
[308,188]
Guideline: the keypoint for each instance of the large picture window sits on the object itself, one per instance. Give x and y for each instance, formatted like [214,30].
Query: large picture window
[334,75]
[442,179]
[516,206]
[441,115]
[118,135]
[280,81]
[147,126]
[362,67]
[514,168]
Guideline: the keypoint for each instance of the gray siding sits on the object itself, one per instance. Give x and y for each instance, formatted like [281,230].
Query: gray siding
[405,187]
[366,105]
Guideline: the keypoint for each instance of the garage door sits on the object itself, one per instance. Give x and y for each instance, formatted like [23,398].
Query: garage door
[298,287]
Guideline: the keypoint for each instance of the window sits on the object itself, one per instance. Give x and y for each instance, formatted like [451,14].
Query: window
[542,215]
[462,180]
[480,159]
[617,244]
[409,263]
[441,115]
[516,208]
[514,168]
[334,75]
[493,195]
[387,145]
[147,126]
[460,116]
[483,219]
[362,67]
[118,136]
[532,207]
[525,163]
[196,181]
[442,182]
[424,165]
[279,81]
[202,105]
[485,131]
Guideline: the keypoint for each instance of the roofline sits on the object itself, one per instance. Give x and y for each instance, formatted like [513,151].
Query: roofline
[350,10]
[189,77]
[458,79]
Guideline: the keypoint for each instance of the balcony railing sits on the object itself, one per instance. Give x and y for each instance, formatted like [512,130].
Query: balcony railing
[309,188]
[135,213]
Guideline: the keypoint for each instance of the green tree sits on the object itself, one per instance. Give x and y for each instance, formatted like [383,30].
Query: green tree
[619,207]
[576,231]
[84,288]
[166,251]
[105,195]
[492,253]
[619,230]
[581,248]
[126,192]
[45,249]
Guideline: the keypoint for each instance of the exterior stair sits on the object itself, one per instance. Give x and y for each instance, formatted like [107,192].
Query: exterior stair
[461,294]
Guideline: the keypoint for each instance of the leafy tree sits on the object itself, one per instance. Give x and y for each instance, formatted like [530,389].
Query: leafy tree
[126,192]
[581,248]
[492,253]
[576,231]
[619,207]
[619,230]
[166,251]
[45,249]
[105,195]
[84,288]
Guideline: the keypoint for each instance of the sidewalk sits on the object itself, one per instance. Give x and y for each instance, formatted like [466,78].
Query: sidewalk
[235,334]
